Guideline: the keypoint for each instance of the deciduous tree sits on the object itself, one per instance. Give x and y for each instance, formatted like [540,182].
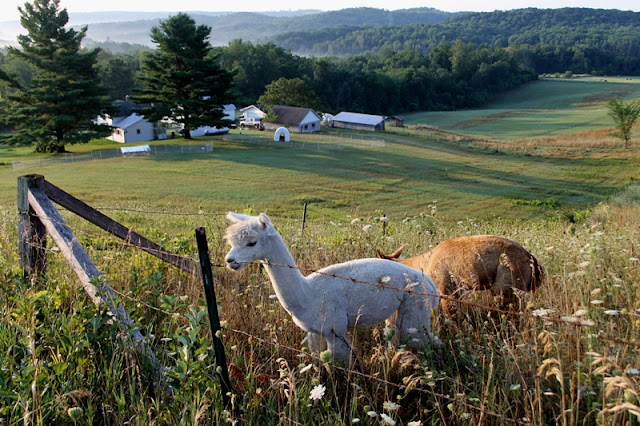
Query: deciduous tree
[181,80]
[64,94]
[624,115]
[291,92]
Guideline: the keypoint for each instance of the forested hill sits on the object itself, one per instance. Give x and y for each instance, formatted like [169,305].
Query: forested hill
[614,31]
[258,27]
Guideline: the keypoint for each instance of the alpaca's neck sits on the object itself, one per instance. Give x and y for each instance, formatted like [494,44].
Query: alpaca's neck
[290,285]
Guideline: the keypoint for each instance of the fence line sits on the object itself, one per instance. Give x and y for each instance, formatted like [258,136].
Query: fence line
[321,141]
[315,142]
[576,322]
[104,154]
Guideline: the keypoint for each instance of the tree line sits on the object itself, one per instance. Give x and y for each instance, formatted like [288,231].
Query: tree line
[556,40]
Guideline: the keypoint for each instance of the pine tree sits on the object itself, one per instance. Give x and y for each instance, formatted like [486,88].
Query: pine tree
[181,80]
[59,103]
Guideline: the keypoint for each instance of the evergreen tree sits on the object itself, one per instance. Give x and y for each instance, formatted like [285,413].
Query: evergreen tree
[64,95]
[181,80]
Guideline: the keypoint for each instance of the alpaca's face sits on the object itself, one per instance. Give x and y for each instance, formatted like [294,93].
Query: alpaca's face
[247,239]
[242,254]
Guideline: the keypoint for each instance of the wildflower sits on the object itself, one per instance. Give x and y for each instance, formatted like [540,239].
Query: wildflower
[325,356]
[372,414]
[597,302]
[632,371]
[385,279]
[612,312]
[317,392]
[584,264]
[354,221]
[634,259]
[306,368]
[355,421]
[579,313]
[75,413]
[367,228]
[418,423]
[388,420]
[390,406]
[542,312]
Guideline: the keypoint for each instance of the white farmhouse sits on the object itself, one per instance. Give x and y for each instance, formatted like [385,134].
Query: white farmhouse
[301,120]
[129,127]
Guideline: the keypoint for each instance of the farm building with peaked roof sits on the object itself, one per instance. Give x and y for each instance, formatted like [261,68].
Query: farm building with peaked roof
[357,121]
[302,120]
[129,126]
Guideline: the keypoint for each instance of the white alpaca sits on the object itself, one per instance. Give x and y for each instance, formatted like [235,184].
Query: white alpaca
[326,303]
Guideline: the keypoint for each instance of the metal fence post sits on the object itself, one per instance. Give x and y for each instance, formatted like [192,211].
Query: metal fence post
[214,319]
[304,218]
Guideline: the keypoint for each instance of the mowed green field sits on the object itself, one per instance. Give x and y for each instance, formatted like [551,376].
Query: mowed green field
[542,108]
[412,172]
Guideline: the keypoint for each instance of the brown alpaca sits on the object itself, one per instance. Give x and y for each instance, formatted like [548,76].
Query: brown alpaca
[479,262]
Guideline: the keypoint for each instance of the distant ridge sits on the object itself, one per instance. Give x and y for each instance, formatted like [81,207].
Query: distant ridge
[134,27]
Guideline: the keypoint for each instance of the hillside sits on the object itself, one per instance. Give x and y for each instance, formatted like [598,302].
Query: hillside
[134,28]
[609,30]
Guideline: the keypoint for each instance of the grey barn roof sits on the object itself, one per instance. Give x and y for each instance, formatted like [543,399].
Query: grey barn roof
[290,115]
[355,117]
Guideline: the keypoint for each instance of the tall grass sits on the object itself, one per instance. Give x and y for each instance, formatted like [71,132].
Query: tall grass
[63,360]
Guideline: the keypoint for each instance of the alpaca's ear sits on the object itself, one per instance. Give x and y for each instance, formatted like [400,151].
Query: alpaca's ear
[236,217]
[264,220]
[396,254]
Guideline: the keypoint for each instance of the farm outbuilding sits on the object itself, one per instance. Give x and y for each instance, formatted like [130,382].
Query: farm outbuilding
[128,126]
[251,112]
[302,120]
[357,121]
[398,120]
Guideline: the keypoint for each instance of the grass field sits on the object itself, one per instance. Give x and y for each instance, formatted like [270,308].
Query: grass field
[548,107]
[572,199]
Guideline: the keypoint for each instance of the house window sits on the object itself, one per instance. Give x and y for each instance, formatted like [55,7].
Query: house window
[138,131]
[313,125]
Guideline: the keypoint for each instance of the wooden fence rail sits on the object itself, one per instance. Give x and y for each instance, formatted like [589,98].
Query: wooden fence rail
[37,216]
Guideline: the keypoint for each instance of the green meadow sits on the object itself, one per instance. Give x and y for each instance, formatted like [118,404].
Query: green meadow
[537,166]
[550,106]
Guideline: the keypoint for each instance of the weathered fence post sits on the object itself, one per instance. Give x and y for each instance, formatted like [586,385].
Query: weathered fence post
[214,319]
[32,235]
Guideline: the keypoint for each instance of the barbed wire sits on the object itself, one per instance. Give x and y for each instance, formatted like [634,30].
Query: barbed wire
[576,322]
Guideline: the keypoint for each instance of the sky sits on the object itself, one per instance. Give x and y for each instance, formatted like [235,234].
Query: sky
[9,8]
